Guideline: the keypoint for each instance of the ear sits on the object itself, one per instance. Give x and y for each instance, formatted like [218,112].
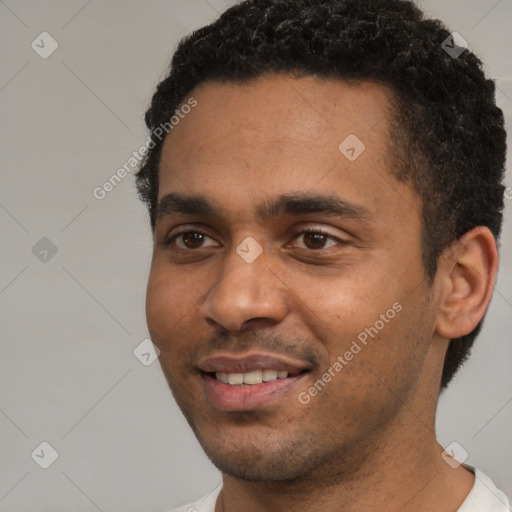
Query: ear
[466,275]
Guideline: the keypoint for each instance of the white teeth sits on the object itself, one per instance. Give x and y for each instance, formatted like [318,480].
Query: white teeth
[235,378]
[250,378]
[222,376]
[269,375]
[254,377]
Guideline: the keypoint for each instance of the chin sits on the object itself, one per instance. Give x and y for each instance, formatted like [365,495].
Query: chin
[266,467]
[263,459]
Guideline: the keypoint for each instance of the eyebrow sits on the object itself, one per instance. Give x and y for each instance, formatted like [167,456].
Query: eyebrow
[299,203]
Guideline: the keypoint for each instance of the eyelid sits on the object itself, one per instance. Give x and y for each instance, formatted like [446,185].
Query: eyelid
[313,229]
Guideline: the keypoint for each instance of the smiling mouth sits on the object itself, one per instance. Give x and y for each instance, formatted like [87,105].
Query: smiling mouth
[251,378]
[249,381]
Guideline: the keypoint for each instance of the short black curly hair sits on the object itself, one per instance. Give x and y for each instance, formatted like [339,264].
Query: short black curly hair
[447,133]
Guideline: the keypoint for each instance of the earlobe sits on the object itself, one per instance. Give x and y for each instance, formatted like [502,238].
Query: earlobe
[466,276]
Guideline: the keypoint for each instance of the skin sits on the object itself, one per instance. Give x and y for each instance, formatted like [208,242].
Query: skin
[367,439]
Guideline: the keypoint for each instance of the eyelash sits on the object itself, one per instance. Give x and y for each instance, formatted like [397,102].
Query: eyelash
[171,240]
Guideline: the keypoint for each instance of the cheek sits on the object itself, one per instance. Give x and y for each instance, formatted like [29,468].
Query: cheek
[169,302]
[372,323]
[388,356]
[346,305]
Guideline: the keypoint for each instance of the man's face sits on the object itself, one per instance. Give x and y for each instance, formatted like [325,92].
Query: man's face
[216,305]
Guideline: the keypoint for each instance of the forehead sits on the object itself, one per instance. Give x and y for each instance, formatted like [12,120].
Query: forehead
[275,111]
[278,134]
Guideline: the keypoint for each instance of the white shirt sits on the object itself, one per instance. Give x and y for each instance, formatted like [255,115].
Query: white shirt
[483,497]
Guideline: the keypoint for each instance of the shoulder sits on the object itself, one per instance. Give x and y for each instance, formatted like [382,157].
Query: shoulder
[206,504]
[485,496]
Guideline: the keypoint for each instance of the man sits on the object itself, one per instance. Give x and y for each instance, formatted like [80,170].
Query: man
[324,184]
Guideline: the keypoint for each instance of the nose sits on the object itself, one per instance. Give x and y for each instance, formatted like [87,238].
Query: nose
[244,294]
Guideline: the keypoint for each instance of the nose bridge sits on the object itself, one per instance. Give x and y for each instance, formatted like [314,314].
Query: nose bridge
[248,289]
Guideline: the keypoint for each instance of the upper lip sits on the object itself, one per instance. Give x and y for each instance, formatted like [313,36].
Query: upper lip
[248,362]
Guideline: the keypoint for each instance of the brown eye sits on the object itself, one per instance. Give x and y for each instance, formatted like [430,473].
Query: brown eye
[316,240]
[190,240]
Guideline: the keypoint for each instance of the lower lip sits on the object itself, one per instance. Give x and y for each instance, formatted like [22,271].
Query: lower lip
[246,398]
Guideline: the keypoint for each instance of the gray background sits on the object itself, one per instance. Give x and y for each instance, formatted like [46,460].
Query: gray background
[70,324]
